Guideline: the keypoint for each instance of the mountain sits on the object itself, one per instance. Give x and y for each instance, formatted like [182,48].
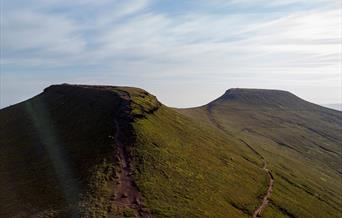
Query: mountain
[105,151]
[301,143]
[334,106]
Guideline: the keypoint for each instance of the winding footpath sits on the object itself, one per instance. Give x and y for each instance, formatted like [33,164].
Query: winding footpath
[127,194]
[265,200]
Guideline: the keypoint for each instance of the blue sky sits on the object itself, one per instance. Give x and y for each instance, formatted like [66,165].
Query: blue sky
[185,52]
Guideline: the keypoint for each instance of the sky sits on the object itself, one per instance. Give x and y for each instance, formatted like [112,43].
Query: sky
[187,52]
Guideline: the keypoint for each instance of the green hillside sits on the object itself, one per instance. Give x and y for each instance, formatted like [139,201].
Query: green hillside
[300,141]
[104,151]
[59,158]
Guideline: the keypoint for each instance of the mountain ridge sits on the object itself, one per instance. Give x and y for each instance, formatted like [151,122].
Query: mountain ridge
[88,142]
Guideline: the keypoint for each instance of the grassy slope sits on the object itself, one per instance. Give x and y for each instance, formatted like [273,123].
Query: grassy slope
[300,141]
[184,169]
[187,171]
[58,157]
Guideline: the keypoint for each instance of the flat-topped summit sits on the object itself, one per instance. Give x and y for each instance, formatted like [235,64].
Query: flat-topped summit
[67,87]
[138,100]
[264,98]
[248,91]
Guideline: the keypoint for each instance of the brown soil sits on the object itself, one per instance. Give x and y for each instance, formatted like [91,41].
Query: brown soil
[127,195]
[265,200]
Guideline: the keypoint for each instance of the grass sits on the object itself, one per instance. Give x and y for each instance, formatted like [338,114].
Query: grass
[58,154]
[128,213]
[185,170]
[300,141]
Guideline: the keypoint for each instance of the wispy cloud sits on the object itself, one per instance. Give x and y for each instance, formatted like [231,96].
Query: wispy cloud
[138,42]
[28,31]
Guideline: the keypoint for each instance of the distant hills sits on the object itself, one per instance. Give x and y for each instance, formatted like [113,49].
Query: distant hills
[334,106]
[105,151]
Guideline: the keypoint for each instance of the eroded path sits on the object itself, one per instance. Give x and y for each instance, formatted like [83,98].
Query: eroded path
[127,195]
[257,212]
[265,200]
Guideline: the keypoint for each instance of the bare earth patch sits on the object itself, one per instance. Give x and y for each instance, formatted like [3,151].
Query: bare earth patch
[127,195]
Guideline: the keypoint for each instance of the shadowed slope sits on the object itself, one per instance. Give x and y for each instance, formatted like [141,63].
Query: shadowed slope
[58,151]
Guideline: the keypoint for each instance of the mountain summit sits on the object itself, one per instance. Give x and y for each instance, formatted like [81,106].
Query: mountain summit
[266,98]
[108,151]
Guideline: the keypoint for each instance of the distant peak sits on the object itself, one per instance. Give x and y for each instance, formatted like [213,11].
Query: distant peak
[248,91]
[241,92]
[263,98]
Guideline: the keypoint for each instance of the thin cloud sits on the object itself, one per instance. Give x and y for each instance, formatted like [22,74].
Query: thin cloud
[132,39]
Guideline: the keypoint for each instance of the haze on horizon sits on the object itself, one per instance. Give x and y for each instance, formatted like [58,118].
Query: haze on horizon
[185,52]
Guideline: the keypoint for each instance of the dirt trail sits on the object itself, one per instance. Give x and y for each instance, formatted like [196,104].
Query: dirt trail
[127,194]
[265,200]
